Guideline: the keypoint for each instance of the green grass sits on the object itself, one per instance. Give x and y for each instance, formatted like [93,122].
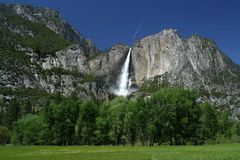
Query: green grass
[210,152]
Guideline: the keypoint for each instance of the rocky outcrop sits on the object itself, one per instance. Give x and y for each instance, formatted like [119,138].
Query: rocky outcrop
[72,58]
[107,66]
[52,80]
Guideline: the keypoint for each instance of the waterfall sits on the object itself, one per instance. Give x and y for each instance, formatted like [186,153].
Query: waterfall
[124,83]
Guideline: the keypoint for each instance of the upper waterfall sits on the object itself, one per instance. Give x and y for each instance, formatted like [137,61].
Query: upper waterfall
[123,82]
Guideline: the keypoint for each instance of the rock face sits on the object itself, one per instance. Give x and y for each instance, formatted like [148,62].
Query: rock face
[64,73]
[196,63]
[72,58]
[107,66]
[167,52]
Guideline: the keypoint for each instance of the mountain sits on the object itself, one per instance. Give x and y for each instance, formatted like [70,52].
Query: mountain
[41,54]
[195,63]
[167,59]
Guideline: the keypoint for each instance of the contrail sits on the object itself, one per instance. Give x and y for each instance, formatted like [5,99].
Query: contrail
[140,24]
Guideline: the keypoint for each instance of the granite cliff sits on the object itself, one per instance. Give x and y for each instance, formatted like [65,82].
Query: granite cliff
[196,63]
[167,59]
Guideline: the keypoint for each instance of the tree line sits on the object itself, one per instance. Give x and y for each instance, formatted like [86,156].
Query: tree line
[170,116]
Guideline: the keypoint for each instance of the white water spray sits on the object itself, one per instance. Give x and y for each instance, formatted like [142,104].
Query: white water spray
[124,83]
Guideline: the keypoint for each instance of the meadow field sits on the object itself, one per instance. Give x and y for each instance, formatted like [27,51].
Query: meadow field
[206,152]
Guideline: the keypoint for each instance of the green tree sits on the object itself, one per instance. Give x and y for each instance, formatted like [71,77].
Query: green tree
[86,123]
[61,119]
[13,113]
[174,116]
[140,120]
[2,106]
[102,124]
[225,124]
[30,130]
[4,135]
[209,122]
[237,131]
[115,121]
[27,108]
[137,120]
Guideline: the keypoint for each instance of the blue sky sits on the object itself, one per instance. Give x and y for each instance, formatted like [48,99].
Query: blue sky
[107,22]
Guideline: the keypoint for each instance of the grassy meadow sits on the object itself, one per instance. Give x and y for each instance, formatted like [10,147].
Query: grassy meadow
[206,152]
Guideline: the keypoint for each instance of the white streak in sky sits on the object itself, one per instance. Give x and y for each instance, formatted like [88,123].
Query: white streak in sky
[140,25]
